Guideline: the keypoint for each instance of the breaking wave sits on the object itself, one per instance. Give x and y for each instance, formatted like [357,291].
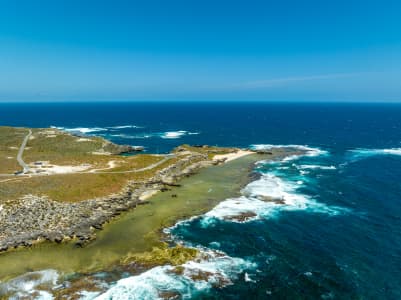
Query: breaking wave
[163,135]
[141,135]
[310,151]
[211,269]
[25,286]
[266,198]
[321,167]
[81,130]
[364,153]
[176,134]
[304,150]
[124,127]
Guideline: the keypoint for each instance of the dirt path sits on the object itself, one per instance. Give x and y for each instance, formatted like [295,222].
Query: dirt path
[25,167]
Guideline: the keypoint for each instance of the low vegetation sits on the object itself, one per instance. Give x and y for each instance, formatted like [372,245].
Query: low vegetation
[162,255]
[104,171]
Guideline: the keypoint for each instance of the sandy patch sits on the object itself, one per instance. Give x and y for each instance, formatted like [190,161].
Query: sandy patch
[146,195]
[84,140]
[48,132]
[111,165]
[231,156]
[101,153]
[49,169]
[54,169]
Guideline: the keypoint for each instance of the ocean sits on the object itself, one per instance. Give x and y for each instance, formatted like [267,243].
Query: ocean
[335,234]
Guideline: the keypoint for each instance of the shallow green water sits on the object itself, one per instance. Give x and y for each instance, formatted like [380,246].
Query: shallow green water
[137,230]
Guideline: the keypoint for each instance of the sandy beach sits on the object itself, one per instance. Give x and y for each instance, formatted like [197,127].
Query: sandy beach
[231,156]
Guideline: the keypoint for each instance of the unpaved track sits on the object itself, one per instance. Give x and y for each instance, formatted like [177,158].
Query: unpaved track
[24,166]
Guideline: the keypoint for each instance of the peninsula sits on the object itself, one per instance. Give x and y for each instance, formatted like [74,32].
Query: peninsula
[56,186]
[58,191]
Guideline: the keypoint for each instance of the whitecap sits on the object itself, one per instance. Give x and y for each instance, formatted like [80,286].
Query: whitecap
[173,134]
[364,153]
[163,135]
[176,134]
[124,127]
[82,130]
[321,167]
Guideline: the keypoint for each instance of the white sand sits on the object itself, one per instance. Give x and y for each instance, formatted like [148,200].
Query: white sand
[84,140]
[111,165]
[231,156]
[48,132]
[54,169]
[101,153]
[49,169]
[146,195]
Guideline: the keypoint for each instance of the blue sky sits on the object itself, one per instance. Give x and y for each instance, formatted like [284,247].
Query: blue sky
[311,50]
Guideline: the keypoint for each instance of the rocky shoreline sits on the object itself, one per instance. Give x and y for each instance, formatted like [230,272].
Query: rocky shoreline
[35,219]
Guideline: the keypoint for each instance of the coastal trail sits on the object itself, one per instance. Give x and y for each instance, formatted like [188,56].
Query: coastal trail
[152,166]
[21,162]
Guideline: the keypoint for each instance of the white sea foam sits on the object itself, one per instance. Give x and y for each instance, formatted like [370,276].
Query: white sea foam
[213,269]
[136,136]
[176,134]
[124,127]
[271,194]
[362,152]
[265,198]
[173,134]
[24,286]
[82,130]
[321,167]
[310,151]
[163,135]
[101,130]
[86,295]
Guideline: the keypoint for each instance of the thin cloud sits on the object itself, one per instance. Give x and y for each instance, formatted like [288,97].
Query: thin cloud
[288,80]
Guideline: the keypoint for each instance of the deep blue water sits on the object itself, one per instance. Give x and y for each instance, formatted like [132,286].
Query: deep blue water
[338,237]
[337,126]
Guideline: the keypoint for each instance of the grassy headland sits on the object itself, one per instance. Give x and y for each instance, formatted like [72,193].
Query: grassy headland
[74,184]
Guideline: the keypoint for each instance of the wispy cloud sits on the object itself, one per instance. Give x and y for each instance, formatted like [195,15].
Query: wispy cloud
[288,80]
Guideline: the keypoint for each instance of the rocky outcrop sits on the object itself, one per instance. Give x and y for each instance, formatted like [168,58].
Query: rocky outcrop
[115,149]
